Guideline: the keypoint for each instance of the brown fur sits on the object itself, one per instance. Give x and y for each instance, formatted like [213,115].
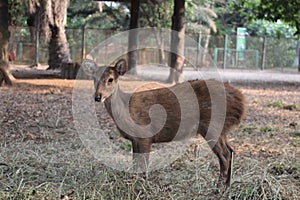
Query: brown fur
[141,102]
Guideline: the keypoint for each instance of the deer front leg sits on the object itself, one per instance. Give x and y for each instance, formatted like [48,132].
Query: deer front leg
[141,150]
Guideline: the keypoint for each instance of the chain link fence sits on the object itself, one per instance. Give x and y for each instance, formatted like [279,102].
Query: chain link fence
[260,52]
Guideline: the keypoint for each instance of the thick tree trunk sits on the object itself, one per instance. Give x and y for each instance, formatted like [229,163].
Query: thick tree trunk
[4,38]
[59,51]
[31,21]
[177,42]
[133,36]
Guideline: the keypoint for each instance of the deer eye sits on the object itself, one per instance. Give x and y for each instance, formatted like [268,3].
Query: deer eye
[110,80]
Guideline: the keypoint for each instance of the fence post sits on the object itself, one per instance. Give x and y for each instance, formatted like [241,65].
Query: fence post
[19,50]
[37,36]
[198,50]
[83,43]
[263,56]
[216,56]
[225,51]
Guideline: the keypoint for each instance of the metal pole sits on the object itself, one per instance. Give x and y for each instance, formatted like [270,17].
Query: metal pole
[225,51]
[82,43]
[298,50]
[37,34]
[198,50]
[263,56]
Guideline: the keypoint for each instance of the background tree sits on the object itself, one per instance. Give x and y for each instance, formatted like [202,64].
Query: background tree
[54,18]
[228,18]
[18,11]
[177,42]
[263,28]
[157,16]
[4,38]
[201,19]
[273,10]
[108,15]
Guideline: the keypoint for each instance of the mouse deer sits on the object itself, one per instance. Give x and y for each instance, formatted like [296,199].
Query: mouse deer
[139,104]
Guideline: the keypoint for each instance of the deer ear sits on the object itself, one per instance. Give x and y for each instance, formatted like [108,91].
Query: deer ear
[121,67]
[89,66]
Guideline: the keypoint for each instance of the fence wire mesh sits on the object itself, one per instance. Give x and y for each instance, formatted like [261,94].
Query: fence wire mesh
[260,52]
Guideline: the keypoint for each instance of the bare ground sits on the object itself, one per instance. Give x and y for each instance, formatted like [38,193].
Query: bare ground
[42,156]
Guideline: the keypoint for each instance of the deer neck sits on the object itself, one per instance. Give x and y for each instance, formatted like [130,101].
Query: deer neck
[118,100]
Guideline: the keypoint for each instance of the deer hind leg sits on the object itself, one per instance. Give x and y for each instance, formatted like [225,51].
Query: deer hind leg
[224,153]
[141,151]
[228,179]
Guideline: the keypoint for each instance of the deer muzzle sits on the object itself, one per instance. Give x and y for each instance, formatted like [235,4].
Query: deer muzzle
[98,98]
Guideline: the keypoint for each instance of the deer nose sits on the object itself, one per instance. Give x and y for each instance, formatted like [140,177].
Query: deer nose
[98,97]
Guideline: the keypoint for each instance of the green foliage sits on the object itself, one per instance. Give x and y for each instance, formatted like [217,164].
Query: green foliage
[17,12]
[126,147]
[248,129]
[271,10]
[200,16]
[279,104]
[87,13]
[266,129]
[295,143]
[271,29]
[117,15]
[228,19]
[274,10]
[281,52]
[82,8]
[159,15]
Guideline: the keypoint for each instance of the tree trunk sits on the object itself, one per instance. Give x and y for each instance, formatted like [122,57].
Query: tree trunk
[203,61]
[160,43]
[34,22]
[133,36]
[177,42]
[59,51]
[31,22]
[4,38]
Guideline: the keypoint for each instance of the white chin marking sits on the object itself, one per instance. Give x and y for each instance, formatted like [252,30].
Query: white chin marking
[102,100]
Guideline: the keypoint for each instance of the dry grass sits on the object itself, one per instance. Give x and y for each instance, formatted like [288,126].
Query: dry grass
[42,156]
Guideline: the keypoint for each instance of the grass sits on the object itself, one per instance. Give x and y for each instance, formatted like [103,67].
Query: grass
[285,168]
[248,129]
[126,147]
[281,105]
[72,172]
[267,129]
[51,162]
[264,181]
[295,143]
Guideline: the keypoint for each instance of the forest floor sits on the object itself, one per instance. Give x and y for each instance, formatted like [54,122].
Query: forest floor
[42,156]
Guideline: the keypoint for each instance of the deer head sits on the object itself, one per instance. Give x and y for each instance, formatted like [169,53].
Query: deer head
[106,79]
